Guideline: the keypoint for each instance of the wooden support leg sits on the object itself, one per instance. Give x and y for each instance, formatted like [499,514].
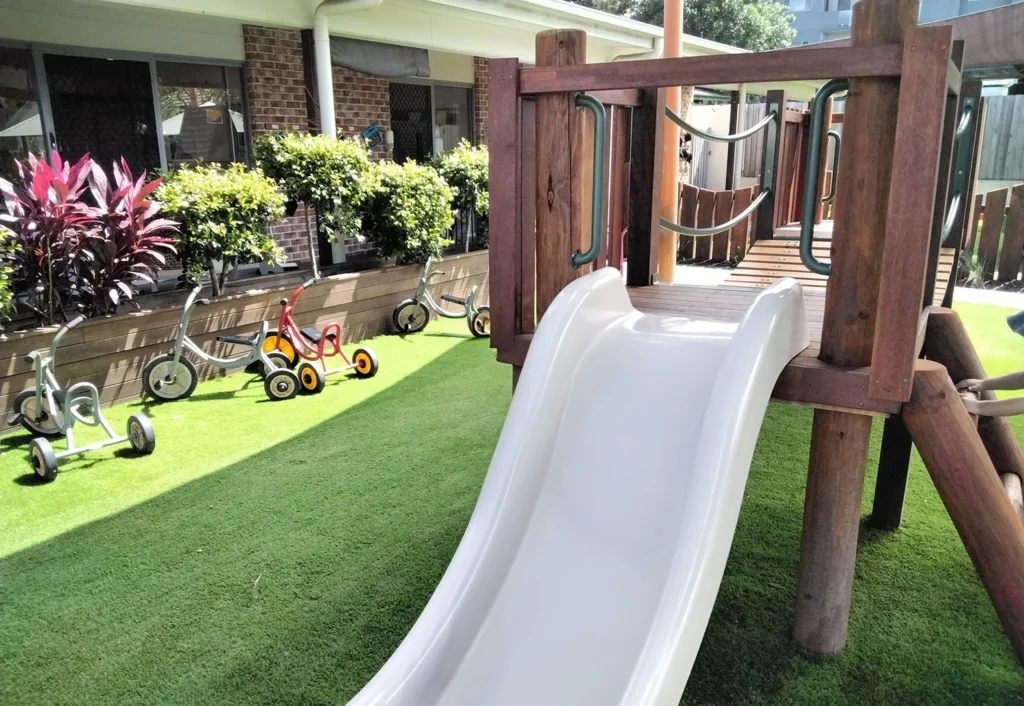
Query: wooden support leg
[972,493]
[516,370]
[947,343]
[828,548]
[893,470]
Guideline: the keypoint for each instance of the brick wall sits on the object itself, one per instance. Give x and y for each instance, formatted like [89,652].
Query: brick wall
[274,79]
[361,100]
[480,99]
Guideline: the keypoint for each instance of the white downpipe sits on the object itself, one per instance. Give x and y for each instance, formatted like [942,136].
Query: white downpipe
[654,53]
[322,55]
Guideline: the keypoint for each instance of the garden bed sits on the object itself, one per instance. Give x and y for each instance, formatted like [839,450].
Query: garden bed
[111,352]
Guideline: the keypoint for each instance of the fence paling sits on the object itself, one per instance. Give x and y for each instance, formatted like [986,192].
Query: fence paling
[997,238]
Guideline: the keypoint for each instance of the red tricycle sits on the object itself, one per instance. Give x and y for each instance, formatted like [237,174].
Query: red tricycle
[311,345]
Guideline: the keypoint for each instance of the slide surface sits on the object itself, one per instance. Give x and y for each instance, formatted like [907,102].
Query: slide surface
[589,568]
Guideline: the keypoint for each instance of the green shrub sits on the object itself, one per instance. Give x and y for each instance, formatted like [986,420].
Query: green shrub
[223,215]
[408,212]
[335,176]
[465,170]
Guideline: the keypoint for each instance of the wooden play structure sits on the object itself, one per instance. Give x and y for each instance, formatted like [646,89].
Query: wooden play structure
[879,349]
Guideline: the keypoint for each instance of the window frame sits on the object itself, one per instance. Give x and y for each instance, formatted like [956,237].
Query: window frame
[433,101]
[38,49]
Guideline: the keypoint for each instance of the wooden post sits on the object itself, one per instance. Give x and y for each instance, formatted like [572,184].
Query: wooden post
[972,493]
[562,205]
[764,226]
[893,472]
[644,168]
[668,199]
[839,441]
[947,343]
[730,158]
[819,213]
[966,220]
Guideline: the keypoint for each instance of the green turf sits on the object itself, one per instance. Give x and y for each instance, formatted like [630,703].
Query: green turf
[276,553]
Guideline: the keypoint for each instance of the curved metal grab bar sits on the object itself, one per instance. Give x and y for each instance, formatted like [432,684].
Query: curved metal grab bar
[835,167]
[811,173]
[721,228]
[772,115]
[960,176]
[579,259]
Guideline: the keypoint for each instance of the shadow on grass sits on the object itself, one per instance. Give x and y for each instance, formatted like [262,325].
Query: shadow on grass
[288,577]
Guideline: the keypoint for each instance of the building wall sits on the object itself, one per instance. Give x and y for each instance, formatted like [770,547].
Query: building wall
[480,99]
[816,24]
[275,79]
[361,100]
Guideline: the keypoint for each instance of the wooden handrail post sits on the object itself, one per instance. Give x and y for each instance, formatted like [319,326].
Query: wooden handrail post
[563,186]
[764,226]
[644,168]
[839,441]
[972,493]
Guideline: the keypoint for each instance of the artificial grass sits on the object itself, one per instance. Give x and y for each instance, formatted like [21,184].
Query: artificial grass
[277,553]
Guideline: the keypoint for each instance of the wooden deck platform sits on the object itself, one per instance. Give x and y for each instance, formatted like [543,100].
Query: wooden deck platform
[806,380]
[768,260]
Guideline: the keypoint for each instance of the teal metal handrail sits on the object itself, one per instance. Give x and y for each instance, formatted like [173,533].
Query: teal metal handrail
[830,196]
[721,227]
[963,159]
[579,259]
[764,122]
[813,171]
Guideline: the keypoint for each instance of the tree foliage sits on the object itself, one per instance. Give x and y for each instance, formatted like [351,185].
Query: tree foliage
[223,215]
[757,25]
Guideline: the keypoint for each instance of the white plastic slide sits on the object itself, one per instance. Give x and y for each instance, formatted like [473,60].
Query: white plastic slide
[591,563]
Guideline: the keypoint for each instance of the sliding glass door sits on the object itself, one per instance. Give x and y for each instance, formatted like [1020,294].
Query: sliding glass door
[21,125]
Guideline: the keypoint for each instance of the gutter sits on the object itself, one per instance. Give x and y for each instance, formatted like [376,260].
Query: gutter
[322,56]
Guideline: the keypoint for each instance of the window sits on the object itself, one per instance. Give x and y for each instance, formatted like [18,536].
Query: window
[452,116]
[202,113]
[798,5]
[21,128]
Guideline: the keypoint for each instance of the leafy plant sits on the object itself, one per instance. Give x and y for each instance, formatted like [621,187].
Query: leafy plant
[972,270]
[334,176]
[408,212]
[49,220]
[130,243]
[223,214]
[465,170]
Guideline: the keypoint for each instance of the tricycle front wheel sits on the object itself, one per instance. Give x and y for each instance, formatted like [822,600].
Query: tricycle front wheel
[44,460]
[410,316]
[480,322]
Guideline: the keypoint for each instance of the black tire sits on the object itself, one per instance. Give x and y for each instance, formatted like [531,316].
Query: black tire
[410,316]
[140,434]
[281,384]
[160,370]
[311,378]
[278,360]
[286,348]
[43,459]
[480,322]
[366,363]
[40,425]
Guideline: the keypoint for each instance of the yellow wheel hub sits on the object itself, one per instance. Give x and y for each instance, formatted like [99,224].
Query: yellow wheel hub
[279,343]
[363,363]
[309,379]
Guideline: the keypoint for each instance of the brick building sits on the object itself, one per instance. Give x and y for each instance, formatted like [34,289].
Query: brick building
[170,82]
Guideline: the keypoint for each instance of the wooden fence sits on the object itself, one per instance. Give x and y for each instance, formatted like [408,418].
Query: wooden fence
[996,235]
[1002,142]
[111,352]
[703,208]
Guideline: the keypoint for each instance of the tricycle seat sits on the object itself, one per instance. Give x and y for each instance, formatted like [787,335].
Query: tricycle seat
[239,340]
[461,301]
[313,335]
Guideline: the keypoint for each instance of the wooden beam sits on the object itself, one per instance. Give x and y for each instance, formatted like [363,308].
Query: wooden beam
[812,383]
[557,195]
[908,227]
[644,168]
[948,343]
[503,144]
[628,97]
[972,493]
[759,67]
[839,441]
[771,162]
[966,218]
[730,157]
